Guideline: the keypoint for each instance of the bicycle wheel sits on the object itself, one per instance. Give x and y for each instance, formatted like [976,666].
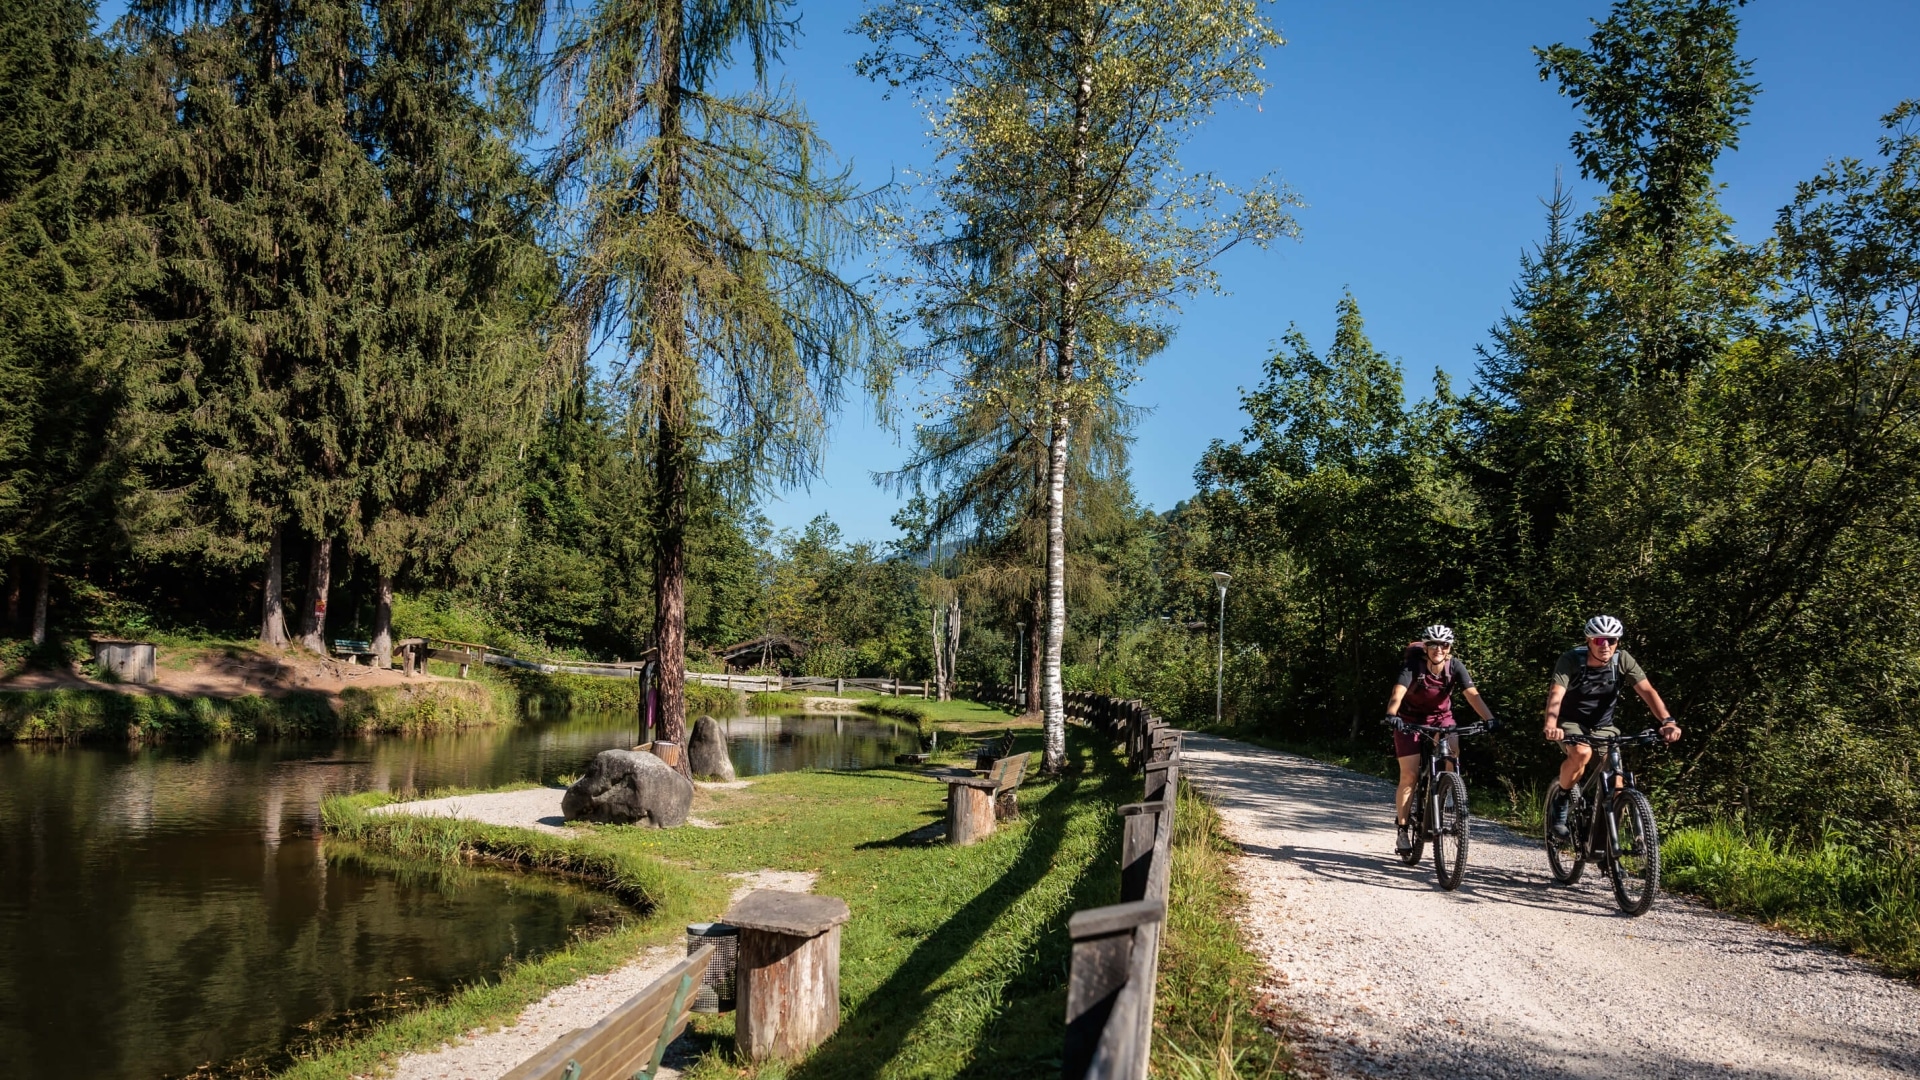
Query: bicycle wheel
[1450,827]
[1563,859]
[1635,864]
[1417,818]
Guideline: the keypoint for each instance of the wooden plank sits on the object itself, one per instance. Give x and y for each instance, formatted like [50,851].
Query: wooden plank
[626,1039]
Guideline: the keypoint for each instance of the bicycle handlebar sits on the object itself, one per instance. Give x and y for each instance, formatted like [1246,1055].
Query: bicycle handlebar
[1437,729]
[1649,737]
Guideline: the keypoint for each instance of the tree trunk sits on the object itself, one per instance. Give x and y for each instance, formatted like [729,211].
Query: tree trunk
[953,648]
[1036,648]
[667,314]
[43,577]
[1054,722]
[383,622]
[936,610]
[16,569]
[313,633]
[273,611]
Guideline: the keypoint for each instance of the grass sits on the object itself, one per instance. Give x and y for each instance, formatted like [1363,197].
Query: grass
[76,715]
[965,717]
[1209,1022]
[1867,903]
[954,962]
[762,702]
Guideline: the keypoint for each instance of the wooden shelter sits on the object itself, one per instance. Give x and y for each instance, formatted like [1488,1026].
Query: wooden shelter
[766,650]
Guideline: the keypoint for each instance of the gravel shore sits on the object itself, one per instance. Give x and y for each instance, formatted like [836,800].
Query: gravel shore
[1512,976]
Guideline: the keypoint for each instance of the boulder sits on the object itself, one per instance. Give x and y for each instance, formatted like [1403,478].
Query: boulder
[628,787]
[707,751]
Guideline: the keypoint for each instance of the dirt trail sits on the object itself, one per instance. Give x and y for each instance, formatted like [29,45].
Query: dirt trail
[1512,976]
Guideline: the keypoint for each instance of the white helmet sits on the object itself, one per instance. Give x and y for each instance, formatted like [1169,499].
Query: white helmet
[1438,633]
[1604,626]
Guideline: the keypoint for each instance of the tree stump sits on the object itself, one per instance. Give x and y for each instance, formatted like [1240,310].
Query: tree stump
[788,972]
[970,813]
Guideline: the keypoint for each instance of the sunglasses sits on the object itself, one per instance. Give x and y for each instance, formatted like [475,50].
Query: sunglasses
[1439,644]
[1608,640]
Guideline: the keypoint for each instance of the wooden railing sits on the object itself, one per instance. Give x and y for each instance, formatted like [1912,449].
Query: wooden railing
[1116,949]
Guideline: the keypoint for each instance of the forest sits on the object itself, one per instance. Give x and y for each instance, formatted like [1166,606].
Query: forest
[302,338]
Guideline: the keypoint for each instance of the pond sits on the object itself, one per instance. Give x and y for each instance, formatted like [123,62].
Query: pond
[172,911]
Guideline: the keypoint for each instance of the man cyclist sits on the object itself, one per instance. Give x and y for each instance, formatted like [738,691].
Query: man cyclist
[1429,675]
[1587,682]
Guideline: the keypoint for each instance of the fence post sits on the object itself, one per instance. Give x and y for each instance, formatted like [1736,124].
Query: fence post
[1142,824]
[1103,940]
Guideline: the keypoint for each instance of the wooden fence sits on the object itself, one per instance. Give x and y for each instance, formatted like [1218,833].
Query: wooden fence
[466,654]
[1116,949]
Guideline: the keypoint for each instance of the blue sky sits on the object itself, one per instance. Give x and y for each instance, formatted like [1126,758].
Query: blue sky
[1422,140]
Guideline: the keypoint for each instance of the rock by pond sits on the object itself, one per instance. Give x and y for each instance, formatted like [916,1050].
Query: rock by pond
[707,751]
[629,787]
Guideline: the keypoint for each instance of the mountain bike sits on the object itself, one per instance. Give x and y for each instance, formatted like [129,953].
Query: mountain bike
[1624,838]
[1438,809]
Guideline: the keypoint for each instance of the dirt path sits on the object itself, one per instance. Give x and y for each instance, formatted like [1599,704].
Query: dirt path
[1512,976]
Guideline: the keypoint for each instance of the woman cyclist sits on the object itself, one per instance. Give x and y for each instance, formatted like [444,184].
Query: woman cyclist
[1429,675]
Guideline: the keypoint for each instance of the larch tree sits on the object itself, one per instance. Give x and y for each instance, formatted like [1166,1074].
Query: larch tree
[704,250]
[1058,126]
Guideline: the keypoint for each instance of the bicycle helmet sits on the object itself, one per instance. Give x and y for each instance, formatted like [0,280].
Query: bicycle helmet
[1604,626]
[1437,634]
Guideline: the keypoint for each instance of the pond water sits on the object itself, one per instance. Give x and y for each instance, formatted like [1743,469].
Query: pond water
[170,911]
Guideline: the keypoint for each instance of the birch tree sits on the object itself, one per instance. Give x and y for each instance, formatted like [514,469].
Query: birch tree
[1057,127]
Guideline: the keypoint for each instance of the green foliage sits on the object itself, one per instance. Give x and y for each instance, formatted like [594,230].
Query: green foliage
[1209,1020]
[104,715]
[1865,901]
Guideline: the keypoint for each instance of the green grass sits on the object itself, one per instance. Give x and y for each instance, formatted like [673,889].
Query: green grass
[75,715]
[954,962]
[1865,902]
[763,702]
[959,715]
[1209,1021]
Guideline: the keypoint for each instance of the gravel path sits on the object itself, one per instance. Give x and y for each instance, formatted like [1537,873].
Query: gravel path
[1512,976]
[532,808]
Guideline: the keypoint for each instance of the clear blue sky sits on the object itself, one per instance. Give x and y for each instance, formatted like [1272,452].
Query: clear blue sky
[1422,140]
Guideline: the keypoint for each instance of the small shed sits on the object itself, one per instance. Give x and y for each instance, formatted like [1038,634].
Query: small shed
[763,651]
[130,661]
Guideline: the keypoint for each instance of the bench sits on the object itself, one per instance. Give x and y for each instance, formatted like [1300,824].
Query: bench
[987,751]
[631,1040]
[974,803]
[353,650]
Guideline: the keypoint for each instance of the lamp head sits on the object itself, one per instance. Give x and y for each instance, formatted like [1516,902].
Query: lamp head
[1220,578]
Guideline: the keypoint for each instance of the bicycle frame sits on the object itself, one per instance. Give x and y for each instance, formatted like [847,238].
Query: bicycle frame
[1435,755]
[1606,775]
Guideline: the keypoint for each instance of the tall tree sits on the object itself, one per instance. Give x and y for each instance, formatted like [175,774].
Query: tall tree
[1060,126]
[705,244]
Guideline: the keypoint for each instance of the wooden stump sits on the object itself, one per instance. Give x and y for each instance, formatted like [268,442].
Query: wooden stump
[969,810]
[788,988]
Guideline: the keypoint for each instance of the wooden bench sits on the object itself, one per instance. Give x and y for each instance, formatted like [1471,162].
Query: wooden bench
[974,803]
[630,1042]
[353,650]
[988,751]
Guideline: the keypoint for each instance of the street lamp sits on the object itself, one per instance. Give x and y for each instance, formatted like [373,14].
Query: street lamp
[1020,667]
[1220,578]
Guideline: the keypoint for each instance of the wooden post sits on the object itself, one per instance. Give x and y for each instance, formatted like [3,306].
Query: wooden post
[788,972]
[1103,944]
[923,691]
[1136,847]
[839,685]
[466,657]
[970,815]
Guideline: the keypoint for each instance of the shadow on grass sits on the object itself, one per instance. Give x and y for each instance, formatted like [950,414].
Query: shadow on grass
[886,1018]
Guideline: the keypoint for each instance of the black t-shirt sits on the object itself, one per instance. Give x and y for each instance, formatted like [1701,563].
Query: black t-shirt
[1592,692]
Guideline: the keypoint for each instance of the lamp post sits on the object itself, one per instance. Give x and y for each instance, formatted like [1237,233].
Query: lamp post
[1020,667]
[1220,578]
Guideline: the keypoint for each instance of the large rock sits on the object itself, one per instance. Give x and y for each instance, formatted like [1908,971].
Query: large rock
[707,751]
[629,787]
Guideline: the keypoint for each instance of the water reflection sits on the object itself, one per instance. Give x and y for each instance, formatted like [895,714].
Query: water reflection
[164,909]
